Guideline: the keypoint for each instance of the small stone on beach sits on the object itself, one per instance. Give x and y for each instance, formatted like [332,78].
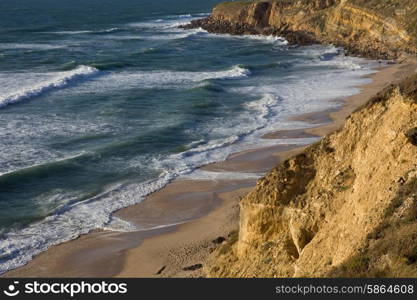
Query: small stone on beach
[193,267]
[160,270]
[219,240]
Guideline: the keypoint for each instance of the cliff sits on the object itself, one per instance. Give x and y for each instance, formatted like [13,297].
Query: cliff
[372,28]
[346,206]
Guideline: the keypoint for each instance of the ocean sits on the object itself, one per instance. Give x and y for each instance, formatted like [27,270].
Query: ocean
[103,102]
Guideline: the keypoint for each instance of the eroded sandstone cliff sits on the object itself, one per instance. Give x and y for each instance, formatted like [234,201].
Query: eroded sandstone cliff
[372,28]
[346,206]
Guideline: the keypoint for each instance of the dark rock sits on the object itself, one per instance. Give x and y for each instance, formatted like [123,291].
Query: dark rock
[219,240]
[412,136]
[412,257]
[160,270]
[193,267]
[220,26]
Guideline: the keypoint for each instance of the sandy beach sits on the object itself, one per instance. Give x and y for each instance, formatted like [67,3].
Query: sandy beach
[183,222]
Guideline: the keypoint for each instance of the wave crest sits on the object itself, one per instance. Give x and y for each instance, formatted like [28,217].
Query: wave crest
[56,81]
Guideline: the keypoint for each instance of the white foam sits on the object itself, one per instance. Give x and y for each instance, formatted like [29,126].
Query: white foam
[205,153]
[200,174]
[153,227]
[173,34]
[343,62]
[75,32]
[29,135]
[125,37]
[113,29]
[26,154]
[159,79]
[264,38]
[318,51]
[13,91]
[70,32]
[168,22]
[28,46]
[264,105]
[18,247]
[119,225]
[313,92]
[202,14]
[334,56]
[270,39]
[277,101]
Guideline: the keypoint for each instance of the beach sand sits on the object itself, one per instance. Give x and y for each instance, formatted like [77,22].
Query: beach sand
[198,214]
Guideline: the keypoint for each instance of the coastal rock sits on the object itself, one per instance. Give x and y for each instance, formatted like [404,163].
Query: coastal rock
[193,267]
[219,240]
[412,136]
[161,270]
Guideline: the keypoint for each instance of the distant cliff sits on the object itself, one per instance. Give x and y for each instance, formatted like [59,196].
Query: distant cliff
[372,28]
[347,205]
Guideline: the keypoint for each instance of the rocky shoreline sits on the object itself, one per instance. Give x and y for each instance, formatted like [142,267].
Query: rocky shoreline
[224,27]
[381,34]
[295,38]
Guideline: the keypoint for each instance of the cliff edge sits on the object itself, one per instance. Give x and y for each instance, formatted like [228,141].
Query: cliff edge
[347,205]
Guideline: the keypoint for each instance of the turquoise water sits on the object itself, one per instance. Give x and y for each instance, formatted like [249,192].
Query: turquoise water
[103,102]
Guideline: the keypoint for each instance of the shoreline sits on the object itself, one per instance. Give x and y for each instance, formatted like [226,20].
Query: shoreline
[202,211]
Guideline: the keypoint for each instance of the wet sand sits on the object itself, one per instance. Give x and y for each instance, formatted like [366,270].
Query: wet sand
[194,213]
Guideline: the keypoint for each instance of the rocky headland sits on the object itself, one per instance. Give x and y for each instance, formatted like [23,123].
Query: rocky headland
[370,28]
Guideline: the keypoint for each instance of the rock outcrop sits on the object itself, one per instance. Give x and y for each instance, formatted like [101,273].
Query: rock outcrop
[346,206]
[370,28]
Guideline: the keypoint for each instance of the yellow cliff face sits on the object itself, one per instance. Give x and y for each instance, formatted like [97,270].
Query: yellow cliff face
[346,206]
[364,27]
